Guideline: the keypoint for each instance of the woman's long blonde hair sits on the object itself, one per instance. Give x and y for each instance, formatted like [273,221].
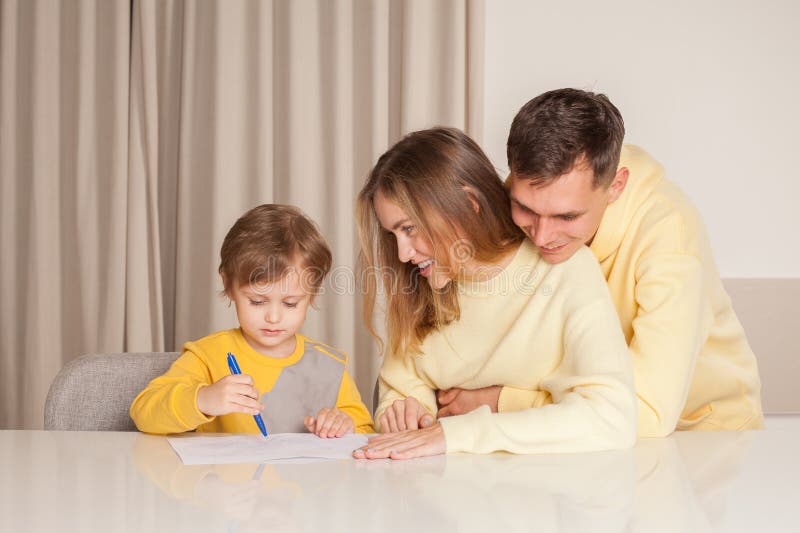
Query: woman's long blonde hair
[449,189]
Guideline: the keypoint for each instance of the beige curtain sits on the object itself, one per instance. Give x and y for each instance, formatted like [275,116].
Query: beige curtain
[64,193]
[132,135]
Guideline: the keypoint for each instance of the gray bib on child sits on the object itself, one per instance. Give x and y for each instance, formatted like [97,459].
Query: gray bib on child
[302,389]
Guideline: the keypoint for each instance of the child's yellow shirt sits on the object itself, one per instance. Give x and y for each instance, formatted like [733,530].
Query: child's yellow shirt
[312,377]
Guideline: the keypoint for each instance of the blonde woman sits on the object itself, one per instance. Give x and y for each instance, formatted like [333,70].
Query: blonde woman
[470,304]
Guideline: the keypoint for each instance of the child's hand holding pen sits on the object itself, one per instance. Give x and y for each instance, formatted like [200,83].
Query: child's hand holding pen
[329,423]
[231,394]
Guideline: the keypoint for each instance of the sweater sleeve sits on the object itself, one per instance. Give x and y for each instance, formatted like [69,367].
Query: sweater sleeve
[514,399]
[169,402]
[349,402]
[593,405]
[399,380]
[672,322]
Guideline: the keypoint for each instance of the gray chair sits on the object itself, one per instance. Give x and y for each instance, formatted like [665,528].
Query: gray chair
[94,392]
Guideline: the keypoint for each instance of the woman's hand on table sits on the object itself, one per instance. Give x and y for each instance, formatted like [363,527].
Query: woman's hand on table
[403,415]
[405,445]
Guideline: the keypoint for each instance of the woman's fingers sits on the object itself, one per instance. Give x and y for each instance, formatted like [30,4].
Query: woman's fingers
[426,420]
[399,408]
[412,413]
[403,415]
[391,420]
[405,445]
[424,449]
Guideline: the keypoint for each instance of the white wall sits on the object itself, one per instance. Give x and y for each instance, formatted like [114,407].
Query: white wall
[710,88]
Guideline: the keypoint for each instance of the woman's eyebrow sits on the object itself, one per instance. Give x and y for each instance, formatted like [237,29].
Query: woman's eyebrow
[399,223]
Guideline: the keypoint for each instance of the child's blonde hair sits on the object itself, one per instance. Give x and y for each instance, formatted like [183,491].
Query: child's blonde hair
[267,242]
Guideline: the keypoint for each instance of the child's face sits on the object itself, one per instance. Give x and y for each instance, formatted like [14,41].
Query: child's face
[271,313]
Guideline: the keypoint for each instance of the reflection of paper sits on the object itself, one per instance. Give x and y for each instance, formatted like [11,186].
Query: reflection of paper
[226,449]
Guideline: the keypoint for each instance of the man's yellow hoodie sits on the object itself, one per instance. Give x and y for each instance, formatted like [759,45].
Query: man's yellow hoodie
[693,367]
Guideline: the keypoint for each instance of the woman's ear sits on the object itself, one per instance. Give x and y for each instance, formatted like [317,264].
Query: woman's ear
[472,197]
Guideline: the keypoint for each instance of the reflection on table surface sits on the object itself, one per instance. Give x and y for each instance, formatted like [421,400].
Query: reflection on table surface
[702,481]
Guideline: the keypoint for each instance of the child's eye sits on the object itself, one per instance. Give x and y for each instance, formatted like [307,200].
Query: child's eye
[407,229]
[256,302]
[291,305]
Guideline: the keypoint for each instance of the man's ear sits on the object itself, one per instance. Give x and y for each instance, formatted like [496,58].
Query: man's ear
[472,197]
[618,184]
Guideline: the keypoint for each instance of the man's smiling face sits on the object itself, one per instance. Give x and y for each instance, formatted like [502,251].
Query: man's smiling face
[562,214]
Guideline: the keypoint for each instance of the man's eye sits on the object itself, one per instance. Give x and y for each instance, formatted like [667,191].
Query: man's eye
[568,218]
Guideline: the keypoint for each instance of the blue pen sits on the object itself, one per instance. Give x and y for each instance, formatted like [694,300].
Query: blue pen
[234,366]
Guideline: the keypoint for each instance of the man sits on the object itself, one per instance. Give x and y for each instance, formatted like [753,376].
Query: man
[572,183]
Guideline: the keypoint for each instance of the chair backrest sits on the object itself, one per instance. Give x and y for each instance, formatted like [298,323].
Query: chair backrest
[94,392]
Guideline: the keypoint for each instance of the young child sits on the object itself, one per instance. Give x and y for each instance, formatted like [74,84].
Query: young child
[273,262]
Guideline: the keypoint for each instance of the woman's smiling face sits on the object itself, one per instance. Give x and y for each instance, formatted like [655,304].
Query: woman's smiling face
[412,245]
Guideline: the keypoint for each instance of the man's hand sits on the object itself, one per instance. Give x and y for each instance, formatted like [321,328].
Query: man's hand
[329,423]
[403,415]
[457,401]
[231,394]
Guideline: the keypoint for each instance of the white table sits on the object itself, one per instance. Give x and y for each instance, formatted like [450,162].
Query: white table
[692,481]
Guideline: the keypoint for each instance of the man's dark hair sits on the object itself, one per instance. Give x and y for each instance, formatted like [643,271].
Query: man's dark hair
[561,128]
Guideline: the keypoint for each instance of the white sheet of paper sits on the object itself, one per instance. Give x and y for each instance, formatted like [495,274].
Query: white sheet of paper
[227,449]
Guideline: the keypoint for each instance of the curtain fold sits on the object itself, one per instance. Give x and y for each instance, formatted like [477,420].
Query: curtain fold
[63,181]
[133,134]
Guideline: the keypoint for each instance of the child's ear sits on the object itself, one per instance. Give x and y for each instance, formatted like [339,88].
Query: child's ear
[312,298]
[226,289]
